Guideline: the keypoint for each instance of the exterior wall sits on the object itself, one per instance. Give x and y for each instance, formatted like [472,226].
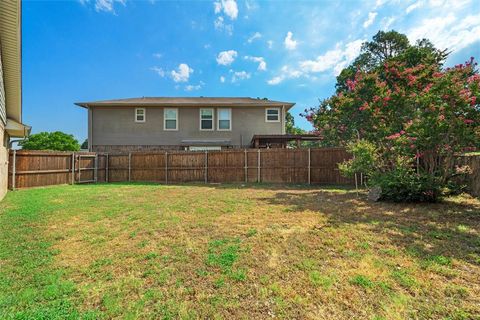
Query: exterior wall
[3,138]
[116,126]
[3,161]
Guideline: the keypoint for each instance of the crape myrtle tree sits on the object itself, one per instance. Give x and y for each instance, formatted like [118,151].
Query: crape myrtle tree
[403,116]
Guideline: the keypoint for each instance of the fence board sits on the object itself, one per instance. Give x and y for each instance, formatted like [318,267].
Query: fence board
[37,168]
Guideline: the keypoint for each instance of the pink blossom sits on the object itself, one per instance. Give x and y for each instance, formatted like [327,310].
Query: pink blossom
[473,101]
[402,132]
[468,121]
[393,136]
[441,117]
[428,87]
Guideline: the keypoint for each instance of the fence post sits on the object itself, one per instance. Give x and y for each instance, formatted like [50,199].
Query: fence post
[206,166]
[73,167]
[258,167]
[79,168]
[166,167]
[309,164]
[14,165]
[95,169]
[106,167]
[129,165]
[246,166]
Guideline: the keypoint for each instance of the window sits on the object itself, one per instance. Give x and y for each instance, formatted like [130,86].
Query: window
[139,114]
[272,115]
[206,119]
[224,119]
[170,119]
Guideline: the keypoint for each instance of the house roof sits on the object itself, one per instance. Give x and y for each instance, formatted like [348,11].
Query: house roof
[11,52]
[186,102]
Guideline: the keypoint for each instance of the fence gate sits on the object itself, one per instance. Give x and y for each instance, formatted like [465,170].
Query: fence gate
[86,168]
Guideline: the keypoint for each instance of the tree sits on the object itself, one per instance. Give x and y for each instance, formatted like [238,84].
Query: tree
[389,46]
[414,113]
[290,125]
[84,144]
[50,141]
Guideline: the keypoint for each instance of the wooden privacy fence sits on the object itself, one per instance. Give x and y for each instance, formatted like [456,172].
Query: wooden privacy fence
[309,166]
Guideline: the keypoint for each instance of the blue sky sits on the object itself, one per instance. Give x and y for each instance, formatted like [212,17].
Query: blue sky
[284,50]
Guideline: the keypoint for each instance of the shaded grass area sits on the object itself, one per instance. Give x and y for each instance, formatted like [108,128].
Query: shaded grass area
[231,251]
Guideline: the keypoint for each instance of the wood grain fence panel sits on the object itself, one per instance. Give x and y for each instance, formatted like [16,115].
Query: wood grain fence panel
[37,168]
[226,166]
[148,167]
[117,167]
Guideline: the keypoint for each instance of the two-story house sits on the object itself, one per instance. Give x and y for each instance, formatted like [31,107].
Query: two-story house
[192,123]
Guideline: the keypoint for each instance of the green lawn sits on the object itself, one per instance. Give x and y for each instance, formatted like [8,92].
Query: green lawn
[132,251]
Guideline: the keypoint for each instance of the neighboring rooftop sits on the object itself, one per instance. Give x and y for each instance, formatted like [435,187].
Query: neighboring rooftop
[186,102]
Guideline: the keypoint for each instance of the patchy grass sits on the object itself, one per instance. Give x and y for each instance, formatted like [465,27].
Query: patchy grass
[231,251]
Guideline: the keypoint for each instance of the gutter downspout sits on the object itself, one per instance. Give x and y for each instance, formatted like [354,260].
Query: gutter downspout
[90,130]
[283,119]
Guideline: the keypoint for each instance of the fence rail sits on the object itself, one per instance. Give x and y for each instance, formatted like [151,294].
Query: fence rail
[40,168]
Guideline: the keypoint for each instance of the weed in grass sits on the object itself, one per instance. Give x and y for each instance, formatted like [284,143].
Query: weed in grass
[307,264]
[151,256]
[456,291]
[403,278]
[320,280]
[463,228]
[251,232]
[390,252]
[362,281]
[439,234]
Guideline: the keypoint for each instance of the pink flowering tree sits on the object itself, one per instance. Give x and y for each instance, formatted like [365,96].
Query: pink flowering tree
[422,115]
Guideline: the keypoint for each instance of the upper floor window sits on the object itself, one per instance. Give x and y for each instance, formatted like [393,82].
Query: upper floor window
[224,119]
[170,119]
[206,119]
[272,115]
[139,114]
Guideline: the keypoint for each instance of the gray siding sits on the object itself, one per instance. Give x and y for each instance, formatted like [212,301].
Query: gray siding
[117,126]
[3,115]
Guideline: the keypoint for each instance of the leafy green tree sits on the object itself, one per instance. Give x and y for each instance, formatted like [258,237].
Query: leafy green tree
[50,141]
[84,144]
[290,125]
[391,46]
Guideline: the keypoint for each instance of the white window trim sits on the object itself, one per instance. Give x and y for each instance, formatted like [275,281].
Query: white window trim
[218,119]
[165,119]
[279,114]
[213,119]
[144,115]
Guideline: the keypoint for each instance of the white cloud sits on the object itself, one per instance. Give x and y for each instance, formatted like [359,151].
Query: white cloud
[371,18]
[226,58]
[270,44]
[387,22]
[157,55]
[275,80]
[290,44]
[286,72]
[240,75]
[220,24]
[450,31]
[414,6]
[256,35]
[158,71]
[262,65]
[104,5]
[229,8]
[336,59]
[183,73]
[192,87]
[222,79]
